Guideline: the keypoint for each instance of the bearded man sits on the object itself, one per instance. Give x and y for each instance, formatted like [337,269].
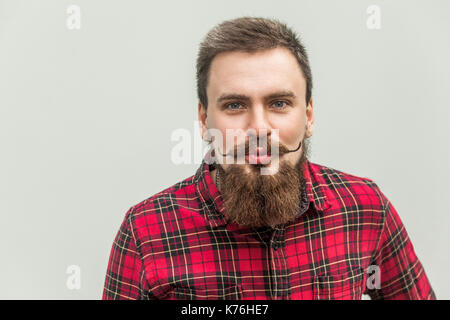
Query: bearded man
[263,223]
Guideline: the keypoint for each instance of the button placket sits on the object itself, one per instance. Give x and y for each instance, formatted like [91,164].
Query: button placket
[278,267]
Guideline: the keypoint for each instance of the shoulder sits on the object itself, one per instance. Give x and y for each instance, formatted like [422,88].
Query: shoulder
[164,202]
[347,187]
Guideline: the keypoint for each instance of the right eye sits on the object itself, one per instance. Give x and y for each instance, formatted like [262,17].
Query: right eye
[234,106]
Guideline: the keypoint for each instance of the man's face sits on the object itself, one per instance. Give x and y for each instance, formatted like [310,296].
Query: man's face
[261,93]
[269,93]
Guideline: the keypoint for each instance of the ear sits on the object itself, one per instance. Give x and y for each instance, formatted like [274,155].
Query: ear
[202,115]
[309,119]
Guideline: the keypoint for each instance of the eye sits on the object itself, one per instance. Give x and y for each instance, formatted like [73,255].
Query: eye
[280,104]
[234,106]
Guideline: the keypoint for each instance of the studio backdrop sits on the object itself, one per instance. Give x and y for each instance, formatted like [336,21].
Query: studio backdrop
[93,93]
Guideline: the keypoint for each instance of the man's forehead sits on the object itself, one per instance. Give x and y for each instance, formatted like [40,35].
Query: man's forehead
[258,74]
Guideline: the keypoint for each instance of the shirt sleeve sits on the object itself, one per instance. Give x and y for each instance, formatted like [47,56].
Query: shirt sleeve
[125,272]
[402,276]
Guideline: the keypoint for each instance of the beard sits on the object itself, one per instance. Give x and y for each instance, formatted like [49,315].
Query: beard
[255,200]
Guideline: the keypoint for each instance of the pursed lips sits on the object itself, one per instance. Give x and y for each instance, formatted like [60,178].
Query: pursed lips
[258,156]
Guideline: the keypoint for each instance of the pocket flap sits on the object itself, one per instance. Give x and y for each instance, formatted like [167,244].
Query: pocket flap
[188,293]
[347,285]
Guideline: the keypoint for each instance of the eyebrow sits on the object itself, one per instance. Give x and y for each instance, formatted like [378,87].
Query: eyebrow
[236,96]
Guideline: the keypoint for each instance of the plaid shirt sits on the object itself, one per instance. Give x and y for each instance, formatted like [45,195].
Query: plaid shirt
[177,244]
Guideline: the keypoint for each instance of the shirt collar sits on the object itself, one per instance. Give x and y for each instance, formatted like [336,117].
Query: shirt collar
[314,190]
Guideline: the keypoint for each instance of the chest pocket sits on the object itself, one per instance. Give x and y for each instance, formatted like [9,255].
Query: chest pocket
[339,286]
[186,293]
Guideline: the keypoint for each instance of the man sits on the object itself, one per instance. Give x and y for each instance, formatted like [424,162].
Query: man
[297,231]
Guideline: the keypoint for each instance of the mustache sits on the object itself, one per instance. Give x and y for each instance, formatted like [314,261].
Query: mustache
[282,149]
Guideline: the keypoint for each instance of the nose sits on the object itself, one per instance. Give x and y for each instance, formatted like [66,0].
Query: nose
[258,122]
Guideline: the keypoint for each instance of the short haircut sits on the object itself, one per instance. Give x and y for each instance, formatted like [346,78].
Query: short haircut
[248,34]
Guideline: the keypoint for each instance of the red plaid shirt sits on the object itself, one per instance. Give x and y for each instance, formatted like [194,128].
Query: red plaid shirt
[177,244]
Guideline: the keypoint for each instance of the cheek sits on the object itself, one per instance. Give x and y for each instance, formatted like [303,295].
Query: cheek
[291,132]
[231,125]
[222,122]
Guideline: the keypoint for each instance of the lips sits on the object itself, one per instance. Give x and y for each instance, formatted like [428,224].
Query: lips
[259,156]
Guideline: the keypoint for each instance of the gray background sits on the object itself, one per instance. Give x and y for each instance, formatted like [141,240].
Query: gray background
[86,118]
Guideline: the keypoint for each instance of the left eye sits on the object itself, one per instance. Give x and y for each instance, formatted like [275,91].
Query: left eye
[279,104]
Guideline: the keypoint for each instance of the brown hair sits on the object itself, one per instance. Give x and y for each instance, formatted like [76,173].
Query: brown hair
[248,34]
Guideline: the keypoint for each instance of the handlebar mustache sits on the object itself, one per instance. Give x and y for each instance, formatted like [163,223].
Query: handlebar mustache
[282,150]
